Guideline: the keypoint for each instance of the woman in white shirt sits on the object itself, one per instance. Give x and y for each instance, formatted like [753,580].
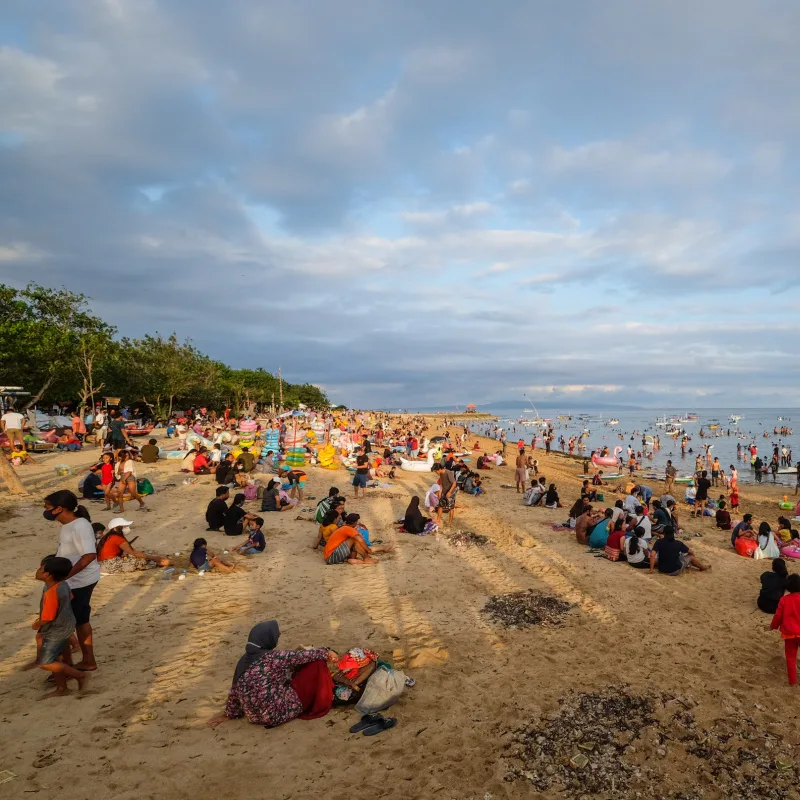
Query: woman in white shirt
[636,549]
[76,542]
[125,473]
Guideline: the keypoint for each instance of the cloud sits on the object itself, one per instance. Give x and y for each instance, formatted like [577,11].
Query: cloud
[415,204]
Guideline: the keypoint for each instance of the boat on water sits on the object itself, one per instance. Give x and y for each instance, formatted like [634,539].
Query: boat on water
[692,417]
[613,421]
[735,418]
[662,422]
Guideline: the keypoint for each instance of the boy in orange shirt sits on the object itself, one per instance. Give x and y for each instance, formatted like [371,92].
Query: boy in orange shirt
[56,624]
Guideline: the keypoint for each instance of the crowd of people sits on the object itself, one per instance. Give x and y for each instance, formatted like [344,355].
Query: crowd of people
[272,686]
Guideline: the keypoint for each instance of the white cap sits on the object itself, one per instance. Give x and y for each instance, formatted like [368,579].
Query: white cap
[119,522]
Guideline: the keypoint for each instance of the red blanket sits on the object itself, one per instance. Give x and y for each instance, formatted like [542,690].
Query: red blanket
[314,686]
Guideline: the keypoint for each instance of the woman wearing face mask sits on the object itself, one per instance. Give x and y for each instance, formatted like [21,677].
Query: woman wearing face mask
[115,553]
[76,542]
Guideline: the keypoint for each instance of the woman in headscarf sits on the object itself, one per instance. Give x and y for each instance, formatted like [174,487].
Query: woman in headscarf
[272,686]
[414,522]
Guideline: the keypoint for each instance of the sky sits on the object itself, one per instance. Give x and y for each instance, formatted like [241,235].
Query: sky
[425,202]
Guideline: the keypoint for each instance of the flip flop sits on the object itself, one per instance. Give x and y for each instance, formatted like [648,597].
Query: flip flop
[366,721]
[385,724]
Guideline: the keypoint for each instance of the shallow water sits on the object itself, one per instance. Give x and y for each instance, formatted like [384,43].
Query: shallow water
[633,424]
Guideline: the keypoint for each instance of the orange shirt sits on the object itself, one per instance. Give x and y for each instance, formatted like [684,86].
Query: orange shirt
[337,537]
[111,547]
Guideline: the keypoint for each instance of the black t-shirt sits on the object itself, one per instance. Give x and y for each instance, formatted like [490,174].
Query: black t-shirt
[91,486]
[668,554]
[772,588]
[215,513]
[233,521]
[362,467]
[223,472]
[703,485]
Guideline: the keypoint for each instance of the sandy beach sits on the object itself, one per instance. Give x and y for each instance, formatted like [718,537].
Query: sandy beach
[167,648]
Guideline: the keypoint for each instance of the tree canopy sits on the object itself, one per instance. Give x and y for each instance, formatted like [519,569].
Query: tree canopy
[53,345]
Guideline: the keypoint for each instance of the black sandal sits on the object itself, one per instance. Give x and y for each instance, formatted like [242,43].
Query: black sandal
[366,721]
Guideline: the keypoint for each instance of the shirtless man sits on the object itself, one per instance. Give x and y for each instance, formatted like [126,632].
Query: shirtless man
[520,470]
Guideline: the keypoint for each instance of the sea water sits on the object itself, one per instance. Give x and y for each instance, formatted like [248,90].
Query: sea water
[634,423]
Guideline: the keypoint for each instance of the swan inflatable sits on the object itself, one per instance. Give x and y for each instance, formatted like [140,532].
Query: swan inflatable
[419,466]
[607,461]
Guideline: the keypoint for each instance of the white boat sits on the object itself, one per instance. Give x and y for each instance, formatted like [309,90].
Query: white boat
[613,422]
[735,418]
[662,422]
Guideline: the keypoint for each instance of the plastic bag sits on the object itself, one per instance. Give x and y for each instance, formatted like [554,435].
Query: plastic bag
[144,487]
[383,689]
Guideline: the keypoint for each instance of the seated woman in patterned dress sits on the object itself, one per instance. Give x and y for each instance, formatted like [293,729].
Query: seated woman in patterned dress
[272,686]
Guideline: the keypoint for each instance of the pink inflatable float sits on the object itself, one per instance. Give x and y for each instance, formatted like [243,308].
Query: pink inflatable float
[607,461]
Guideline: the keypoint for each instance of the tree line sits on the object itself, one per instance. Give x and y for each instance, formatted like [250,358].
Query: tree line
[51,344]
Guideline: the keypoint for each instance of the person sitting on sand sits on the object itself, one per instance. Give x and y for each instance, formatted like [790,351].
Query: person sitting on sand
[535,495]
[773,586]
[202,463]
[551,499]
[255,542]
[203,560]
[578,508]
[636,551]
[413,521]
[115,553]
[742,528]
[614,544]
[331,522]
[149,452]
[722,517]
[236,517]
[324,505]
[585,523]
[271,687]
[271,500]
[661,517]
[347,545]
[766,542]
[640,519]
[482,462]
[601,531]
[672,556]
[217,509]
[587,492]
[55,625]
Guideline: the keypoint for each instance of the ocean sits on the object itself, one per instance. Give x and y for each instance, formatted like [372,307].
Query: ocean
[635,423]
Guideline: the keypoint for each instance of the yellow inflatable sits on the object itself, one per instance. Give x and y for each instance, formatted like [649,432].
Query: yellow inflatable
[327,457]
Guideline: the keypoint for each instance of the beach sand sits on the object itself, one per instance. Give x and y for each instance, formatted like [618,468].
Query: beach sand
[167,648]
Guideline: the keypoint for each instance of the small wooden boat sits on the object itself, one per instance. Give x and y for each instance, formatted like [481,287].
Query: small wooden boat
[132,430]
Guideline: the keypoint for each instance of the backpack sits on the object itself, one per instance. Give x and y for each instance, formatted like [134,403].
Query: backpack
[250,492]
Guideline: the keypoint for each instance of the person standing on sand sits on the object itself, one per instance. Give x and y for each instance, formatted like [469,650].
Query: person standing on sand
[670,473]
[520,470]
[76,541]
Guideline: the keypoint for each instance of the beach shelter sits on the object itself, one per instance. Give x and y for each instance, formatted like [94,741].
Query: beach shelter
[471,408]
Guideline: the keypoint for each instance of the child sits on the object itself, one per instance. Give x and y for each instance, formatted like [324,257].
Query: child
[107,477]
[787,618]
[203,560]
[734,498]
[56,625]
[256,543]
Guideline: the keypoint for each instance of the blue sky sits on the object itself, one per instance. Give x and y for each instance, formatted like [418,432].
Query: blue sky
[421,203]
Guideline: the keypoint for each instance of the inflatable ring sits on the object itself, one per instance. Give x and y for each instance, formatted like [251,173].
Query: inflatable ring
[787,506]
